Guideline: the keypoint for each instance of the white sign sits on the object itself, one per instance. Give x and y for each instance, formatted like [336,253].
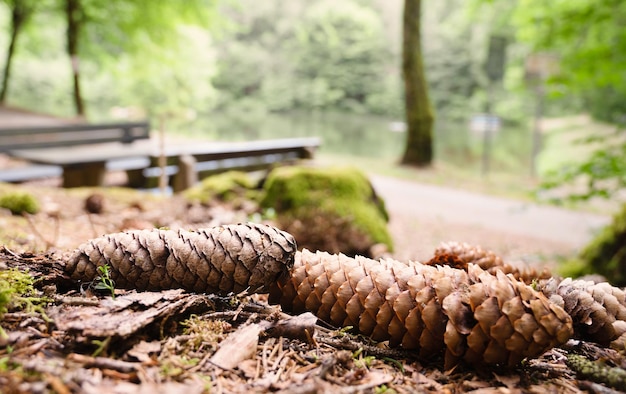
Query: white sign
[483,122]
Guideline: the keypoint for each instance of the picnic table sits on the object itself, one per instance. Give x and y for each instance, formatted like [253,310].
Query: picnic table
[86,165]
[82,153]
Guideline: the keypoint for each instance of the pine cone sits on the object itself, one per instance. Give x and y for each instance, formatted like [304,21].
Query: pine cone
[460,254]
[598,309]
[473,315]
[219,260]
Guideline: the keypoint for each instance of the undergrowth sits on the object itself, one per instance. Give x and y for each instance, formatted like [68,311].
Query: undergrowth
[17,293]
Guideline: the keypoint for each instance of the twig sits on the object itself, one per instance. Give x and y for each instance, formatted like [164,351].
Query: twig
[349,344]
[92,225]
[103,362]
[29,219]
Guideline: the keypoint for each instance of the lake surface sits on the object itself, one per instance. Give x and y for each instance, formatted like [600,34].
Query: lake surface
[341,134]
[364,136]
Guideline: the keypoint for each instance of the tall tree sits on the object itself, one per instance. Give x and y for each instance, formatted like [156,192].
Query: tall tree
[103,29]
[75,22]
[20,12]
[419,112]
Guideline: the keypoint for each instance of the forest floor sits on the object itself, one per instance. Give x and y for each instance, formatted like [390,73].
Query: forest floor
[79,341]
[68,338]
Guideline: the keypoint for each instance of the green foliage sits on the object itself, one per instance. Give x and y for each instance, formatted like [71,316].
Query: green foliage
[589,38]
[136,53]
[332,55]
[314,195]
[103,281]
[603,173]
[226,186]
[19,203]
[340,55]
[605,254]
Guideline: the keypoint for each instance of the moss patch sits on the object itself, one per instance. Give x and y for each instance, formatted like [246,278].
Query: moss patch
[605,254]
[225,187]
[19,203]
[17,293]
[334,209]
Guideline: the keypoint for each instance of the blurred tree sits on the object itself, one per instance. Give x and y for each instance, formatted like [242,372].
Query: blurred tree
[419,112]
[286,55]
[589,39]
[20,11]
[103,29]
[75,21]
[339,56]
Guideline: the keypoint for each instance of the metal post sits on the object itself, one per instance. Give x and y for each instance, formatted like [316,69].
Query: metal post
[536,148]
[487,132]
[162,160]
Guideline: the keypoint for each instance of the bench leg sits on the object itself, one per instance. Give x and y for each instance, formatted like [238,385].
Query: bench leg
[136,179]
[186,176]
[84,175]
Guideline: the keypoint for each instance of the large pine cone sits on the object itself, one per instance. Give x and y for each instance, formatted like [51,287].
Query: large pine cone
[474,316]
[598,309]
[218,260]
[460,254]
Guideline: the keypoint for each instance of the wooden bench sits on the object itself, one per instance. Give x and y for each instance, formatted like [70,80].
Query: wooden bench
[66,149]
[186,164]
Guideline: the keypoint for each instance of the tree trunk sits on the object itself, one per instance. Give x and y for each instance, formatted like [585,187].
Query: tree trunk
[19,14]
[74,23]
[419,113]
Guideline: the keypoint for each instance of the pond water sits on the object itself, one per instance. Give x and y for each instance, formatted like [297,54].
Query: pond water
[341,134]
[363,136]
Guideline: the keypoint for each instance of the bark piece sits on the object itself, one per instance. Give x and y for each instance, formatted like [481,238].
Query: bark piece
[473,315]
[237,347]
[126,314]
[220,260]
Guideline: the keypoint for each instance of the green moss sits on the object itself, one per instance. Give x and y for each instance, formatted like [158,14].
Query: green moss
[597,371]
[302,192]
[19,203]
[606,253]
[225,187]
[574,268]
[17,292]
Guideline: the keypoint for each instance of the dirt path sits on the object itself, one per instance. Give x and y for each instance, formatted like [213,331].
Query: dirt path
[422,216]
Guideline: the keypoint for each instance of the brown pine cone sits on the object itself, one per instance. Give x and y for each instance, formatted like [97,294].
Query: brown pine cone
[219,260]
[473,315]
[598,309]
[460,254]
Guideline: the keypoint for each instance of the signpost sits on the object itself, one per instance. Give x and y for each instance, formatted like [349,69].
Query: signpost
[494,68]
[539,66]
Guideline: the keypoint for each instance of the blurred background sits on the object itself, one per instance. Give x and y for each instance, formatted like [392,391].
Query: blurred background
[523,91]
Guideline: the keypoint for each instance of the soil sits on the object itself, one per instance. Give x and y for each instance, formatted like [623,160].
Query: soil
[173,336]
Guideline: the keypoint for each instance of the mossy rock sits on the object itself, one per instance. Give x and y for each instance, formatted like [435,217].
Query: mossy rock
[329,209]
[605,254]
[225,187]
[19,203]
